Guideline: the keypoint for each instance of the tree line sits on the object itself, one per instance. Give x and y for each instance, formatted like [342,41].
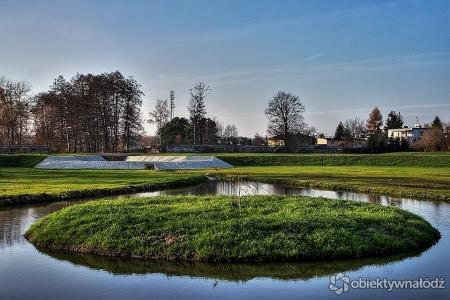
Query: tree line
[102,113]
[284,113]
[435,138]
[15,105]
[88,113]
[198,129]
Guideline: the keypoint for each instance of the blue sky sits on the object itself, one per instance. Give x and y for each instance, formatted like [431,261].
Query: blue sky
[341,57]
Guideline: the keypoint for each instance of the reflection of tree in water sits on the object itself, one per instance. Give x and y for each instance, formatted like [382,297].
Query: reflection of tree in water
[373,199]
[11,226]
[340,194]
[15,221]
[223,271]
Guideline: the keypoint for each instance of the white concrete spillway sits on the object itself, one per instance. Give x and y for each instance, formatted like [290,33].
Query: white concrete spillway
[85,162]
[132,162]
[181,162]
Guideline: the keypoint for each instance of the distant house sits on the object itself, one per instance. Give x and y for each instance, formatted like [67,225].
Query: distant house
[410,134]
[294,140]
[347,143]
[322,141]
[275,141]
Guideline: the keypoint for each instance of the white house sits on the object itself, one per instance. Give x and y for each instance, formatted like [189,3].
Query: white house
[411,134]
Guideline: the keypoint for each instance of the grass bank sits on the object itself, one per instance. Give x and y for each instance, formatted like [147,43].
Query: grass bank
[400,159]
[20,160]
[27,186]
[408,182]
[221,229]
[404,159]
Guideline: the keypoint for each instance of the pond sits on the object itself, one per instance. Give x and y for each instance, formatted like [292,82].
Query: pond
[27,273]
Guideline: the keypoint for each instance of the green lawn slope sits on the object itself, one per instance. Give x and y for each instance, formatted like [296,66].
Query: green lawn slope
[403,159]
[27,186]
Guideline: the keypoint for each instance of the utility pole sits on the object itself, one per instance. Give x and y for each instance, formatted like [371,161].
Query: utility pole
[172,104]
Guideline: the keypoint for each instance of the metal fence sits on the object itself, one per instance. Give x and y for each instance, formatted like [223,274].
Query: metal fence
[247,148]
[25,149]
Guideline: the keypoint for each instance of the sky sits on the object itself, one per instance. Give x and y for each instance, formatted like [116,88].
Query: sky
[341,58]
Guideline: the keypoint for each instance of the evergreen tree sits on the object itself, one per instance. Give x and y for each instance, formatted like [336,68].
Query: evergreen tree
[394,120]
[437,123]
[340,131]
[196,108]
[197,112]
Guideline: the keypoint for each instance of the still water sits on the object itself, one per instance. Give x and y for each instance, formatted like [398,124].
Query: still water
[27,273]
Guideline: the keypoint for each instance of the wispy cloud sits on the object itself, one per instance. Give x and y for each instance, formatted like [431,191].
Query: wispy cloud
[417,109]
[425,105]
[243,31]
[310,67]
[339,111]
[391,63]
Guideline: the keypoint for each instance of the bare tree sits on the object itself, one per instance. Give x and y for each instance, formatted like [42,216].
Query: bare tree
[285,115]
[356,127]
[230,134]
[15,104]
[433,140]
[90,113]
[447,136]
[220,129]
[259,140]
[131,121]
[160,115]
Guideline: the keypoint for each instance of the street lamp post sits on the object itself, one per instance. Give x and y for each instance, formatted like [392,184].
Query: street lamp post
[67,136]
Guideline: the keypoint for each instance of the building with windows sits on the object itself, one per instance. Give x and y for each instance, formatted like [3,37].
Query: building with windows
[410,134]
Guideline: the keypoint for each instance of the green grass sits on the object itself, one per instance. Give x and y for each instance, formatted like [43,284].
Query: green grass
[429,181]
[24,185]
[404,159]
[409,182]
[400,159]
[225,229]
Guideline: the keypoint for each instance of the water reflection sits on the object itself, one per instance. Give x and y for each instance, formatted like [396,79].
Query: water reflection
[223,271]
[20,258]
[15,221]
[246,188]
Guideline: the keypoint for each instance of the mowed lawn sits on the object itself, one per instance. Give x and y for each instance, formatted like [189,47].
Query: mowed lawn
[422,176]
[423,183]
[225,229]
[21,181]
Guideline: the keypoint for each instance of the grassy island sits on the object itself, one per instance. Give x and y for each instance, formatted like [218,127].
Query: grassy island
[228,229]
